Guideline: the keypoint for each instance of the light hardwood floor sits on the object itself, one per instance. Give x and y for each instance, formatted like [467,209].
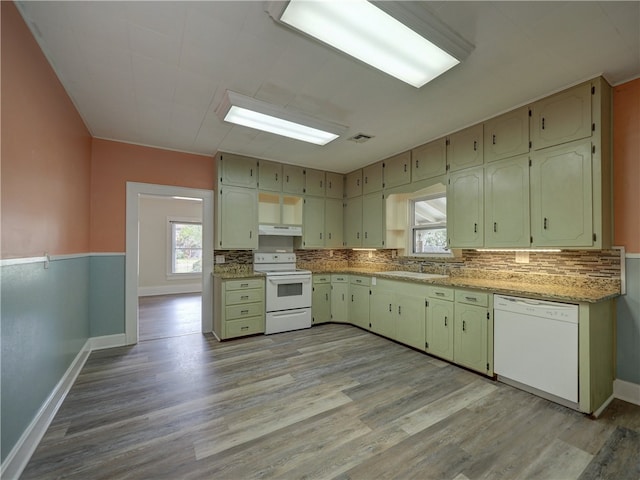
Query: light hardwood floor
[333,401]
[163,316]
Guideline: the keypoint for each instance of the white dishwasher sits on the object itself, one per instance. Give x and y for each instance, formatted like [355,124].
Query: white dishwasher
[536,347]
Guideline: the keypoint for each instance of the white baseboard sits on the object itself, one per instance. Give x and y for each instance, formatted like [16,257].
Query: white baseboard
[20,454]
[169,289]
[627,391]
[108,341]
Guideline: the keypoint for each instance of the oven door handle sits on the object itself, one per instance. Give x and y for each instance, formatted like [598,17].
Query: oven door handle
[289,279]
[288,313]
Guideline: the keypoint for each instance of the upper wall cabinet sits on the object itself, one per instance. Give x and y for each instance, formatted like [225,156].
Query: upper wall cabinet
[293,179]
[269,176]
[373,178]
[354,184]
[464,148]
[237,170]
[236,230]
[335,185]
[314,182]
[562,118]
[397,170]
[429,160]
[465,209]
[507,135]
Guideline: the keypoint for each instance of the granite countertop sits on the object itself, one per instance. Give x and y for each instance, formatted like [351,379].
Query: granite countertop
[238,274]
[535,286]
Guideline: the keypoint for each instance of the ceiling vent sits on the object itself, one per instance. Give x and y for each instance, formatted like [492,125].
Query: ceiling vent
[361,138]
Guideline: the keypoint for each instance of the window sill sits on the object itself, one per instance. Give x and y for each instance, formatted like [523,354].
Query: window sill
[184,276]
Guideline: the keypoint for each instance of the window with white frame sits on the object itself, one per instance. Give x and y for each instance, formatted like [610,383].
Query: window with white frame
[428,219]
[186,247]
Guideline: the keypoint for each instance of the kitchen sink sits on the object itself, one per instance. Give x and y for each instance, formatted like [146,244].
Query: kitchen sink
[418,275]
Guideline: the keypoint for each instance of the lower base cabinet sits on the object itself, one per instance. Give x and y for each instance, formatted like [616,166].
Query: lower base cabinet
[321,299]
[359,293]
[340,298]
[239,307]
[439,325]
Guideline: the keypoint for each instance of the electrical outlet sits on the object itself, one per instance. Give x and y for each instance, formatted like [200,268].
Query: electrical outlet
[331,253]
[522,257]
[219,259]
[370,254]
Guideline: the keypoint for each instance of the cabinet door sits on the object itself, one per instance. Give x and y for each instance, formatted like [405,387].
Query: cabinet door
[269,176]
[335,185]
[507,135]
[321,303]
[340,302]
[506,203]
[561,118]
[410,320]
[238,171]
[333,222]
[470,336]
[313,218]
[354,184]
[561,196]
[373,224]
[429,160]
[372,178]
[439,328]
[397,170]
[293,179]
[464,148]
[314,182]
[465,209]
[237,227]
[353,222]
[359,305]
[382,315]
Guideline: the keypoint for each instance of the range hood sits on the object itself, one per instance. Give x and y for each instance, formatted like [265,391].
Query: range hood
[280,230]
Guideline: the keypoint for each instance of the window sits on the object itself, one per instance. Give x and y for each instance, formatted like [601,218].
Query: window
[186,247]
[428,218]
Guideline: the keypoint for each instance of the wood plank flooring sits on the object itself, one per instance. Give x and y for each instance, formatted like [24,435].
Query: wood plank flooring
[333,401]
[163,316]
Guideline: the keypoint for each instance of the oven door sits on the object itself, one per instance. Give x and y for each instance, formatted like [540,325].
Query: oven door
[288,292]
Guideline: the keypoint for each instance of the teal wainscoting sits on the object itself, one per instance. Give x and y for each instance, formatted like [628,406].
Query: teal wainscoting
[107,295]
[44,324]
[628,311]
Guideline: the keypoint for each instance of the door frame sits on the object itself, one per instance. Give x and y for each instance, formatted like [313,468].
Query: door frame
[134,190]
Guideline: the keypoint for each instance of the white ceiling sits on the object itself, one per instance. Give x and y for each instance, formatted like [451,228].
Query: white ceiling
[153,73]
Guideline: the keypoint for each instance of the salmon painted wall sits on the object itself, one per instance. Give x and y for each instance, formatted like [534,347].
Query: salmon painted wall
[114,164]
[626,156]
[46,152]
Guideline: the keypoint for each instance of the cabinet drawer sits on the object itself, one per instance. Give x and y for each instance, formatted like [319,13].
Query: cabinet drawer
[243,284]
[244,296]
[321,278]
[246,326]
[233,312]
[441,292]
[360,280]
[339,278]
[472,298]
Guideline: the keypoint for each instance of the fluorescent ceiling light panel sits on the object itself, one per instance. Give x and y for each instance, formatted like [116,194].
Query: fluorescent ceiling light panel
[391,37]
[252,113]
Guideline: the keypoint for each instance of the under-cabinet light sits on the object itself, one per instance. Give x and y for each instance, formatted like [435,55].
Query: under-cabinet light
[252,113]
[365,249]
[532,250]
[399,38]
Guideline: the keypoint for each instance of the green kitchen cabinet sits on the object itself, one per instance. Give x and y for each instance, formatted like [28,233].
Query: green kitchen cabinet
[429,160]
[382,317]
[353,184]
[340,298]
[269,176]
[465,148]
[561,196]
[506,203]
[373,220]
[335,185]
[439,323]
[372,178]
[411,316]
[472,316]
[238,307]
[237,218]
[313,218]
[397,170]
[314,182]
[333,222]
[563,117]
[236,170]
[353,222]
[507,135]
[465,208]
[359,293]
[293,179]
[321,299]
